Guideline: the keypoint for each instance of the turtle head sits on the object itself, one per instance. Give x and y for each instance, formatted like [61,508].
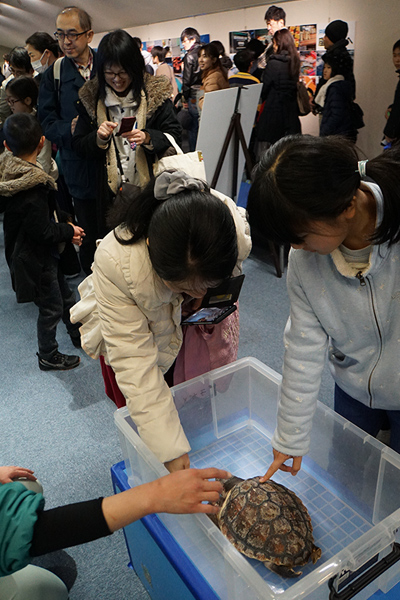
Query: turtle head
[230,483]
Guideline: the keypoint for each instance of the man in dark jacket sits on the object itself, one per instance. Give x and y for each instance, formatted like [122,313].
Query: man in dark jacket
[58,115]
[191,80]
[34,236]
[392,128]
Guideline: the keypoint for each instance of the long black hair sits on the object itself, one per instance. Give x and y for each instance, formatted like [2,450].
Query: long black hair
[305,178]
[192,235]
[285,44]
[119,48]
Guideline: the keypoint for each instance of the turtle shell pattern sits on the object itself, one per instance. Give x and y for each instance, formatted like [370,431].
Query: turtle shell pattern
[268,522]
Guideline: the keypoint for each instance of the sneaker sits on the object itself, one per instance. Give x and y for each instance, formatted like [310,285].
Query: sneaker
[58,362]
[75,338]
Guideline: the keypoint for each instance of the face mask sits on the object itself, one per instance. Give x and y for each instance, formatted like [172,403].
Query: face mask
[37,65]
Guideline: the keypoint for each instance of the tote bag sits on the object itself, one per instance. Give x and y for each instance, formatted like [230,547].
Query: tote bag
[191,163]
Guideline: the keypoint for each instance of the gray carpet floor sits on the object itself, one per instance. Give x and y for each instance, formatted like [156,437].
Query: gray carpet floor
[61,424]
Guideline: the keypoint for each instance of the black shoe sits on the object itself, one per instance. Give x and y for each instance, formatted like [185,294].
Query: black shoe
[58,362]
[75,338]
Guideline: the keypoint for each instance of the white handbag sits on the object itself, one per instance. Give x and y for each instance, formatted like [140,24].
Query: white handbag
[191,163]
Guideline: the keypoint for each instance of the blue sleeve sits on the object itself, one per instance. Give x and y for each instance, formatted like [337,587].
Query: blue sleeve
[18,514]
[54,127]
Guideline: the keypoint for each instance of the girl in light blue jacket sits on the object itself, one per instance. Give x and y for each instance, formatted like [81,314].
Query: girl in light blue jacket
[342,219]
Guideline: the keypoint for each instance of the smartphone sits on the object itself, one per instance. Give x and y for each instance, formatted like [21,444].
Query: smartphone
[218,303]
[126,124]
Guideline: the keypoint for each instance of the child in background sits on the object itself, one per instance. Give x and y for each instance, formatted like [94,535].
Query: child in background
[22,95]
[342,219]
[333,101]
[35,233]
[243,61]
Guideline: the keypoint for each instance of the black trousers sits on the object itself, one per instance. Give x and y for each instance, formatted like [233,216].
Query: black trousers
[85,213]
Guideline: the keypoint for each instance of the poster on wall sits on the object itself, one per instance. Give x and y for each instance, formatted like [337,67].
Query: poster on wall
[309,42]
[176,49]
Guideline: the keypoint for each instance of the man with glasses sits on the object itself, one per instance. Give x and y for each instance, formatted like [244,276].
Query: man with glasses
[58,95]
[20,65]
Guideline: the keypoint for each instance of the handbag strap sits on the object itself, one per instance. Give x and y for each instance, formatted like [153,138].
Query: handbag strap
[173,143]
[119,164]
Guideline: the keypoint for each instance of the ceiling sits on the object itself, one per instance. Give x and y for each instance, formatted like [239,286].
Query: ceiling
[20,18]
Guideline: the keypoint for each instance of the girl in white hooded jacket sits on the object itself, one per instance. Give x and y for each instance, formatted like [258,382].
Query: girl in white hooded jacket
[342,219]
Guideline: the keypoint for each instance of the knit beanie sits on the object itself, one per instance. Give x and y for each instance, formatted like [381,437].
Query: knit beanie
[337,30]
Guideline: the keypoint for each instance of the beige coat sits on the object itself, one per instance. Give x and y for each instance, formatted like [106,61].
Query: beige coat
[130,317]
[168,72]
[214,80]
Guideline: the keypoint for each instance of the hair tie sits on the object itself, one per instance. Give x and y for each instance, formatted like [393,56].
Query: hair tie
[170,183]
[362,168]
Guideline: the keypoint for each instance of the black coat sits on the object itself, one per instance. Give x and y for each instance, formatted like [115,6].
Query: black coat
[191,72]
[280,114]
[336,113]
[340,57]
[161,118]
[31,234]
[392,129]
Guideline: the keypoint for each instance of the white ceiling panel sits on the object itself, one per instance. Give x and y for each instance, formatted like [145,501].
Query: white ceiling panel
[21,18]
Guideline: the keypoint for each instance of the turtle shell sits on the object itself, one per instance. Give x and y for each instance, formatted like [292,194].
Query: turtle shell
[268,522]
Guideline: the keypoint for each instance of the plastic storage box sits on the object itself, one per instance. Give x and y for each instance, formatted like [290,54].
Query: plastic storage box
[349,482]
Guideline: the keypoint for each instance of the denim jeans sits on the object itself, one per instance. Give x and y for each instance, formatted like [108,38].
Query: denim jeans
[55,301]
[371,420]
[193,130]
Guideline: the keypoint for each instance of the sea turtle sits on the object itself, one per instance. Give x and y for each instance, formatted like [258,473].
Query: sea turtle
[268,522]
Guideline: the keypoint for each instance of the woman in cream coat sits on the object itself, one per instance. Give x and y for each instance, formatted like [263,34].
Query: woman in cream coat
[177,239]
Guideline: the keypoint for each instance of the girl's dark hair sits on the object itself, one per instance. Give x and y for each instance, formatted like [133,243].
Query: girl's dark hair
[119,48]
[42,41]
[396,45]
[24,87]
[304,178]
[285,42]
[219,46]
[192,235]
[19,59]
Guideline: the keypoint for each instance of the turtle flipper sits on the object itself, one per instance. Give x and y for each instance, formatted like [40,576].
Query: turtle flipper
[282,570]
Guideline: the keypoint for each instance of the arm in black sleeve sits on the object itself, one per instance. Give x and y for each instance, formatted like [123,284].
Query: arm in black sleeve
[163,121]
[67,526]
[84,140]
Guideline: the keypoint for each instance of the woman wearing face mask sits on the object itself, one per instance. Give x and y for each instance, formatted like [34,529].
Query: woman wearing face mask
[42,50]
[122,89]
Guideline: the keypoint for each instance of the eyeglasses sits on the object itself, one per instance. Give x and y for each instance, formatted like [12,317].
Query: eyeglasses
[12,101]
[112,75]
[71,36]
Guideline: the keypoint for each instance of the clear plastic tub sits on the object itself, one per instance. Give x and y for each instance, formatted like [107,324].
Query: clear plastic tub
[349,482]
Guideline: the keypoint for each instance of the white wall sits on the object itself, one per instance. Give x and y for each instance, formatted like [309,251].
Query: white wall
[377,28]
